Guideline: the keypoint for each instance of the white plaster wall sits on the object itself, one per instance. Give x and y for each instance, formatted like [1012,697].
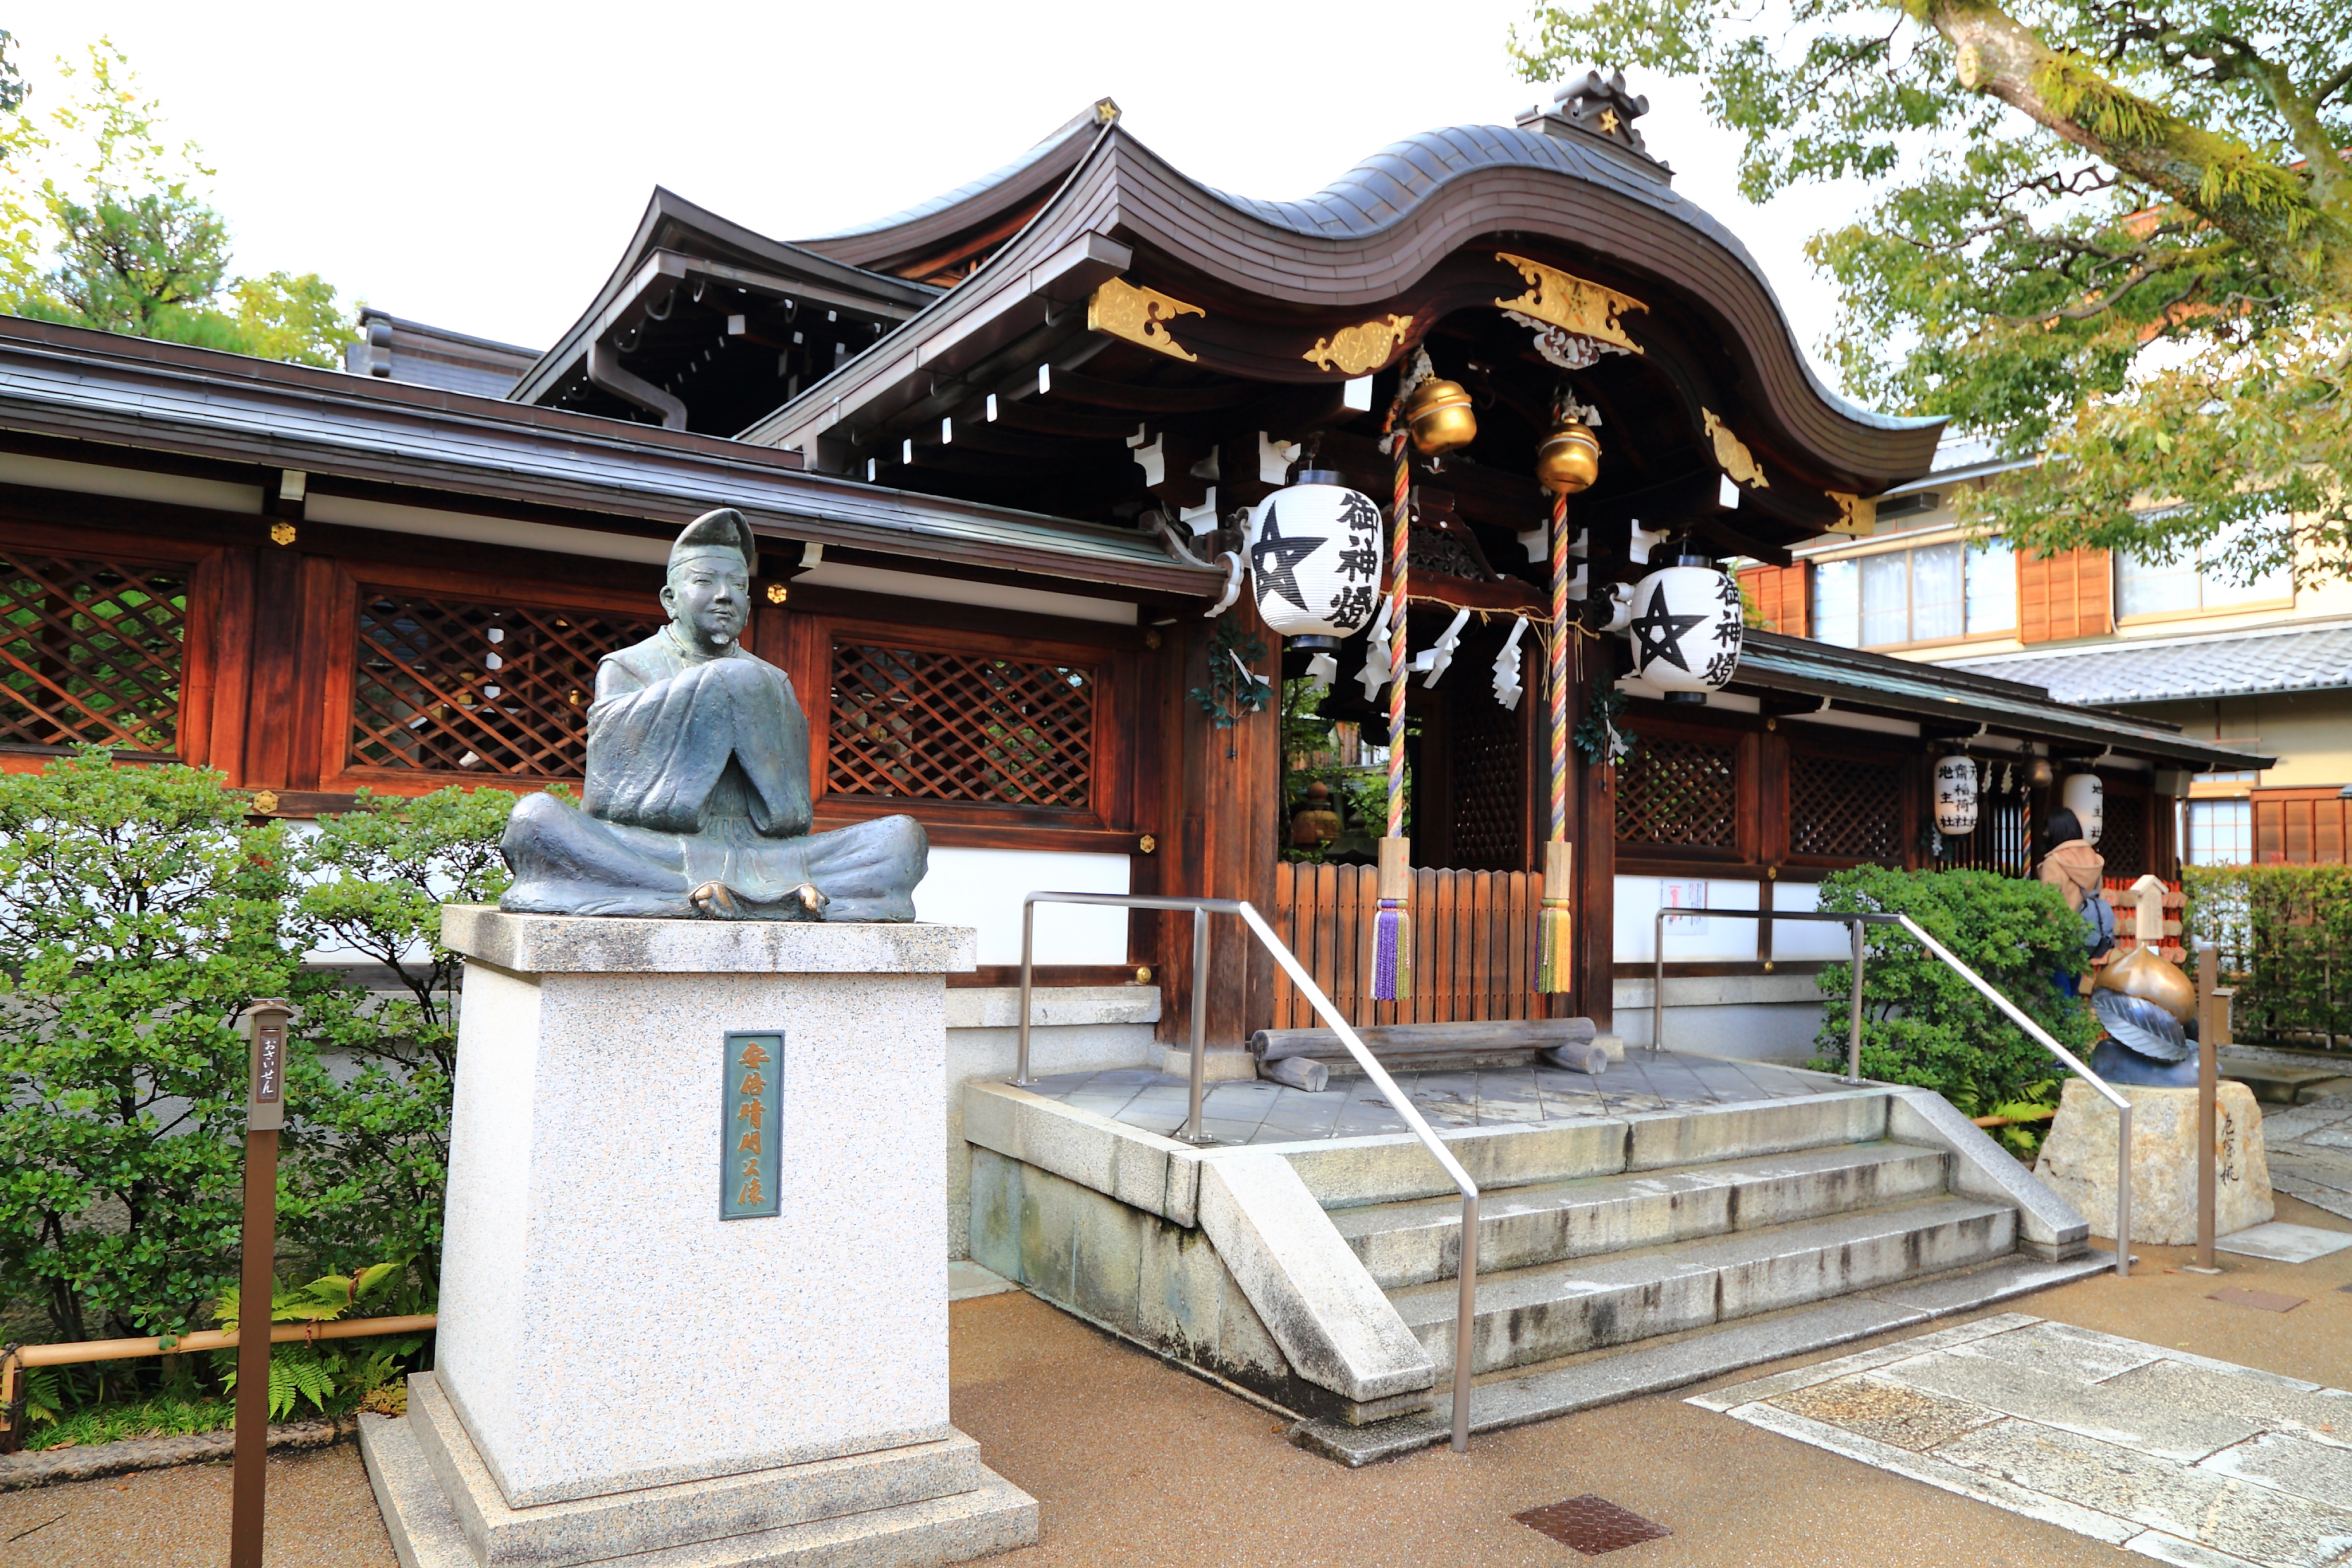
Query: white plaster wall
[1694,942]
[1797,941]
[1753,1017]
[983,888]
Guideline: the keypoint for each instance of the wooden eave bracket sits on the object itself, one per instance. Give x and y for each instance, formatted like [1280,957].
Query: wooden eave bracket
[988,326]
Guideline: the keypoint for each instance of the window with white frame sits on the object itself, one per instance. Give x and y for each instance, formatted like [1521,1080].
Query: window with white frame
[2193,584]
[2221,832]
[1933,593]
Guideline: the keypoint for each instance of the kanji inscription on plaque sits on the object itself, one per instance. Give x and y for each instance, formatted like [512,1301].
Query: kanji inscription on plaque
[750,1125]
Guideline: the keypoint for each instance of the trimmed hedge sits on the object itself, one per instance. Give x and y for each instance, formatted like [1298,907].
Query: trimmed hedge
[2284,936]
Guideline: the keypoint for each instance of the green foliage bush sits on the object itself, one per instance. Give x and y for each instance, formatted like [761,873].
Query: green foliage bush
[2284,940]
[1924,1025]
[370,1153]
[140,913]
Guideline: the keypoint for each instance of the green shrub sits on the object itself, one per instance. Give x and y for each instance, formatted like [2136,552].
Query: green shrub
[2284,940]
[1924,1025]
[334,1375]
[370,1156]
[138,915]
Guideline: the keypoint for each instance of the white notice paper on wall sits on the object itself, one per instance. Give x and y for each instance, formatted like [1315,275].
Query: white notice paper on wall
[1683,896]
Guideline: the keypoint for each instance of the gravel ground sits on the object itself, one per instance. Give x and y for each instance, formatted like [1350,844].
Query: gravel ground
[1137,1463]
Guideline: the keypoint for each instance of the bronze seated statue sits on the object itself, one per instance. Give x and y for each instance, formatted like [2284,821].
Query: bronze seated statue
[697,802]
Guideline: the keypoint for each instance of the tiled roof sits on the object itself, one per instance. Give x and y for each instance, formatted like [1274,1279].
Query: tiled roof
[2226,663]
[1943,694]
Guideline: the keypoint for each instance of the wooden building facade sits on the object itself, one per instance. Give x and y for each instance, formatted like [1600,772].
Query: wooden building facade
[1000,449]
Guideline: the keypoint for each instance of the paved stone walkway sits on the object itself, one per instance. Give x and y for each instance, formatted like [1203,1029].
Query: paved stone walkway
[1258,1112]
[2310,1150]
[2175,1456]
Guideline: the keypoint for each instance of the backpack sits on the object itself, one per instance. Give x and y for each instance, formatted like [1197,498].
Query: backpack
[2098,925]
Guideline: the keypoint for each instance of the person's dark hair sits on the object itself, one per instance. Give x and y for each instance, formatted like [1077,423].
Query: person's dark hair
[2061,826]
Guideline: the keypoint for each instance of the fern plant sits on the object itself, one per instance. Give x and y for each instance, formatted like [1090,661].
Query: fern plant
[324,1372]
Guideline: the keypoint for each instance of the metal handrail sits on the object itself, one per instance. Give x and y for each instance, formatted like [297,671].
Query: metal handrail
[1465,1305]
[1854,1022]
[1853,1041]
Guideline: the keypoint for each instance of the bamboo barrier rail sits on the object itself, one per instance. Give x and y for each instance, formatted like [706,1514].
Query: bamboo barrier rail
[79,1352]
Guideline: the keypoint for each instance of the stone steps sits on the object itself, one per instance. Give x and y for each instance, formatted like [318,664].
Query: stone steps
[1415,1242]
[1543,1393]
[1554,1309]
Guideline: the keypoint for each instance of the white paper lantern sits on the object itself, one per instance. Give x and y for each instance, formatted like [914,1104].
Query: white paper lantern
[2086,797]
[1315,558]
[1956,797]
[1687,629]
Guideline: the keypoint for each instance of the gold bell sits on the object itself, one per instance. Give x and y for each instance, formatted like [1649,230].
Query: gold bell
[1569,458]
[1440,416]
[2145,973]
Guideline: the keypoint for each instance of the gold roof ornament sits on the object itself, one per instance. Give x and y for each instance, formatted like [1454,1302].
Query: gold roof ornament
[1731,454]
[1586,308]
[1359,350]
[1858,515]
[1140,315]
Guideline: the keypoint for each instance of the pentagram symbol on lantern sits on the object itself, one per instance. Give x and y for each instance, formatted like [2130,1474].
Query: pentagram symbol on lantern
[1659,633]
[1275,558]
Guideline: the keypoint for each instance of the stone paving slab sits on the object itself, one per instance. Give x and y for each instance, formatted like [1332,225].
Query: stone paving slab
[2310,1151]
[2175,1456]
[1261,1112]
[2283,1243]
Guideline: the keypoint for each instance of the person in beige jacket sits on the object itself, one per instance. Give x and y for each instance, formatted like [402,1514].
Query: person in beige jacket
[2069,864]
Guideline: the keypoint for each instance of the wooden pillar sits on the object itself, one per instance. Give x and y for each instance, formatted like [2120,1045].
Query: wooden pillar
[229,582]
[1223,789]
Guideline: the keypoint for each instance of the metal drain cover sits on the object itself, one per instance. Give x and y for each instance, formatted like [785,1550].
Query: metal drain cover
[1592,1525]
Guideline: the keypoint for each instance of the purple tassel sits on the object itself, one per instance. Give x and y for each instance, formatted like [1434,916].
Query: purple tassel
[1391,971]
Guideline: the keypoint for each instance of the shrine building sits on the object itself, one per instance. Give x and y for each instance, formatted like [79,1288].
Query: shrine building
[1001,448]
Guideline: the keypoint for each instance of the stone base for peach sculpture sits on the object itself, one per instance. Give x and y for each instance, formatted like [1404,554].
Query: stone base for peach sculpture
[2078,1161]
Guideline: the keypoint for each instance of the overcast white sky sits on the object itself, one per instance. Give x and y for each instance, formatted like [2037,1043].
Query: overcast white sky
[479,166]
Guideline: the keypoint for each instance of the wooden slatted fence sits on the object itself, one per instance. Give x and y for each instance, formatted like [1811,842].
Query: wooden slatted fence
[1474,945]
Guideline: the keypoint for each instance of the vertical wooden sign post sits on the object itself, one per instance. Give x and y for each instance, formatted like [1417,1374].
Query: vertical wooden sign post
[265,1113]
[2209,1089]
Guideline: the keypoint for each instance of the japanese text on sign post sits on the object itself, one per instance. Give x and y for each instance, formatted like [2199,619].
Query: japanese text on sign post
[751,1126]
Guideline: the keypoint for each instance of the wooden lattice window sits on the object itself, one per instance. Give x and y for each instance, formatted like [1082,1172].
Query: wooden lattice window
[2123,835]
[1844,808]
[89,652]
[929,725]
[1487,808]
[444,686]
[1678,790]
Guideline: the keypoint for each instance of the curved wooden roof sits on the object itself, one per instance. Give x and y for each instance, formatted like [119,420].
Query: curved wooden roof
[1364,246]
[932,239]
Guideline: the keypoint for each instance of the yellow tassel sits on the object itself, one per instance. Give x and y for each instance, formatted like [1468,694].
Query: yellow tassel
[1555,945]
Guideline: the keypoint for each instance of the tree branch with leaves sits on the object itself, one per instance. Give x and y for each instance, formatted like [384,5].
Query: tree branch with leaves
[2116,236]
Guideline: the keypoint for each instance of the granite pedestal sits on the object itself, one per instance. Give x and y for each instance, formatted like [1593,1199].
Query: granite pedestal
[619,1370]
[2078,1161]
